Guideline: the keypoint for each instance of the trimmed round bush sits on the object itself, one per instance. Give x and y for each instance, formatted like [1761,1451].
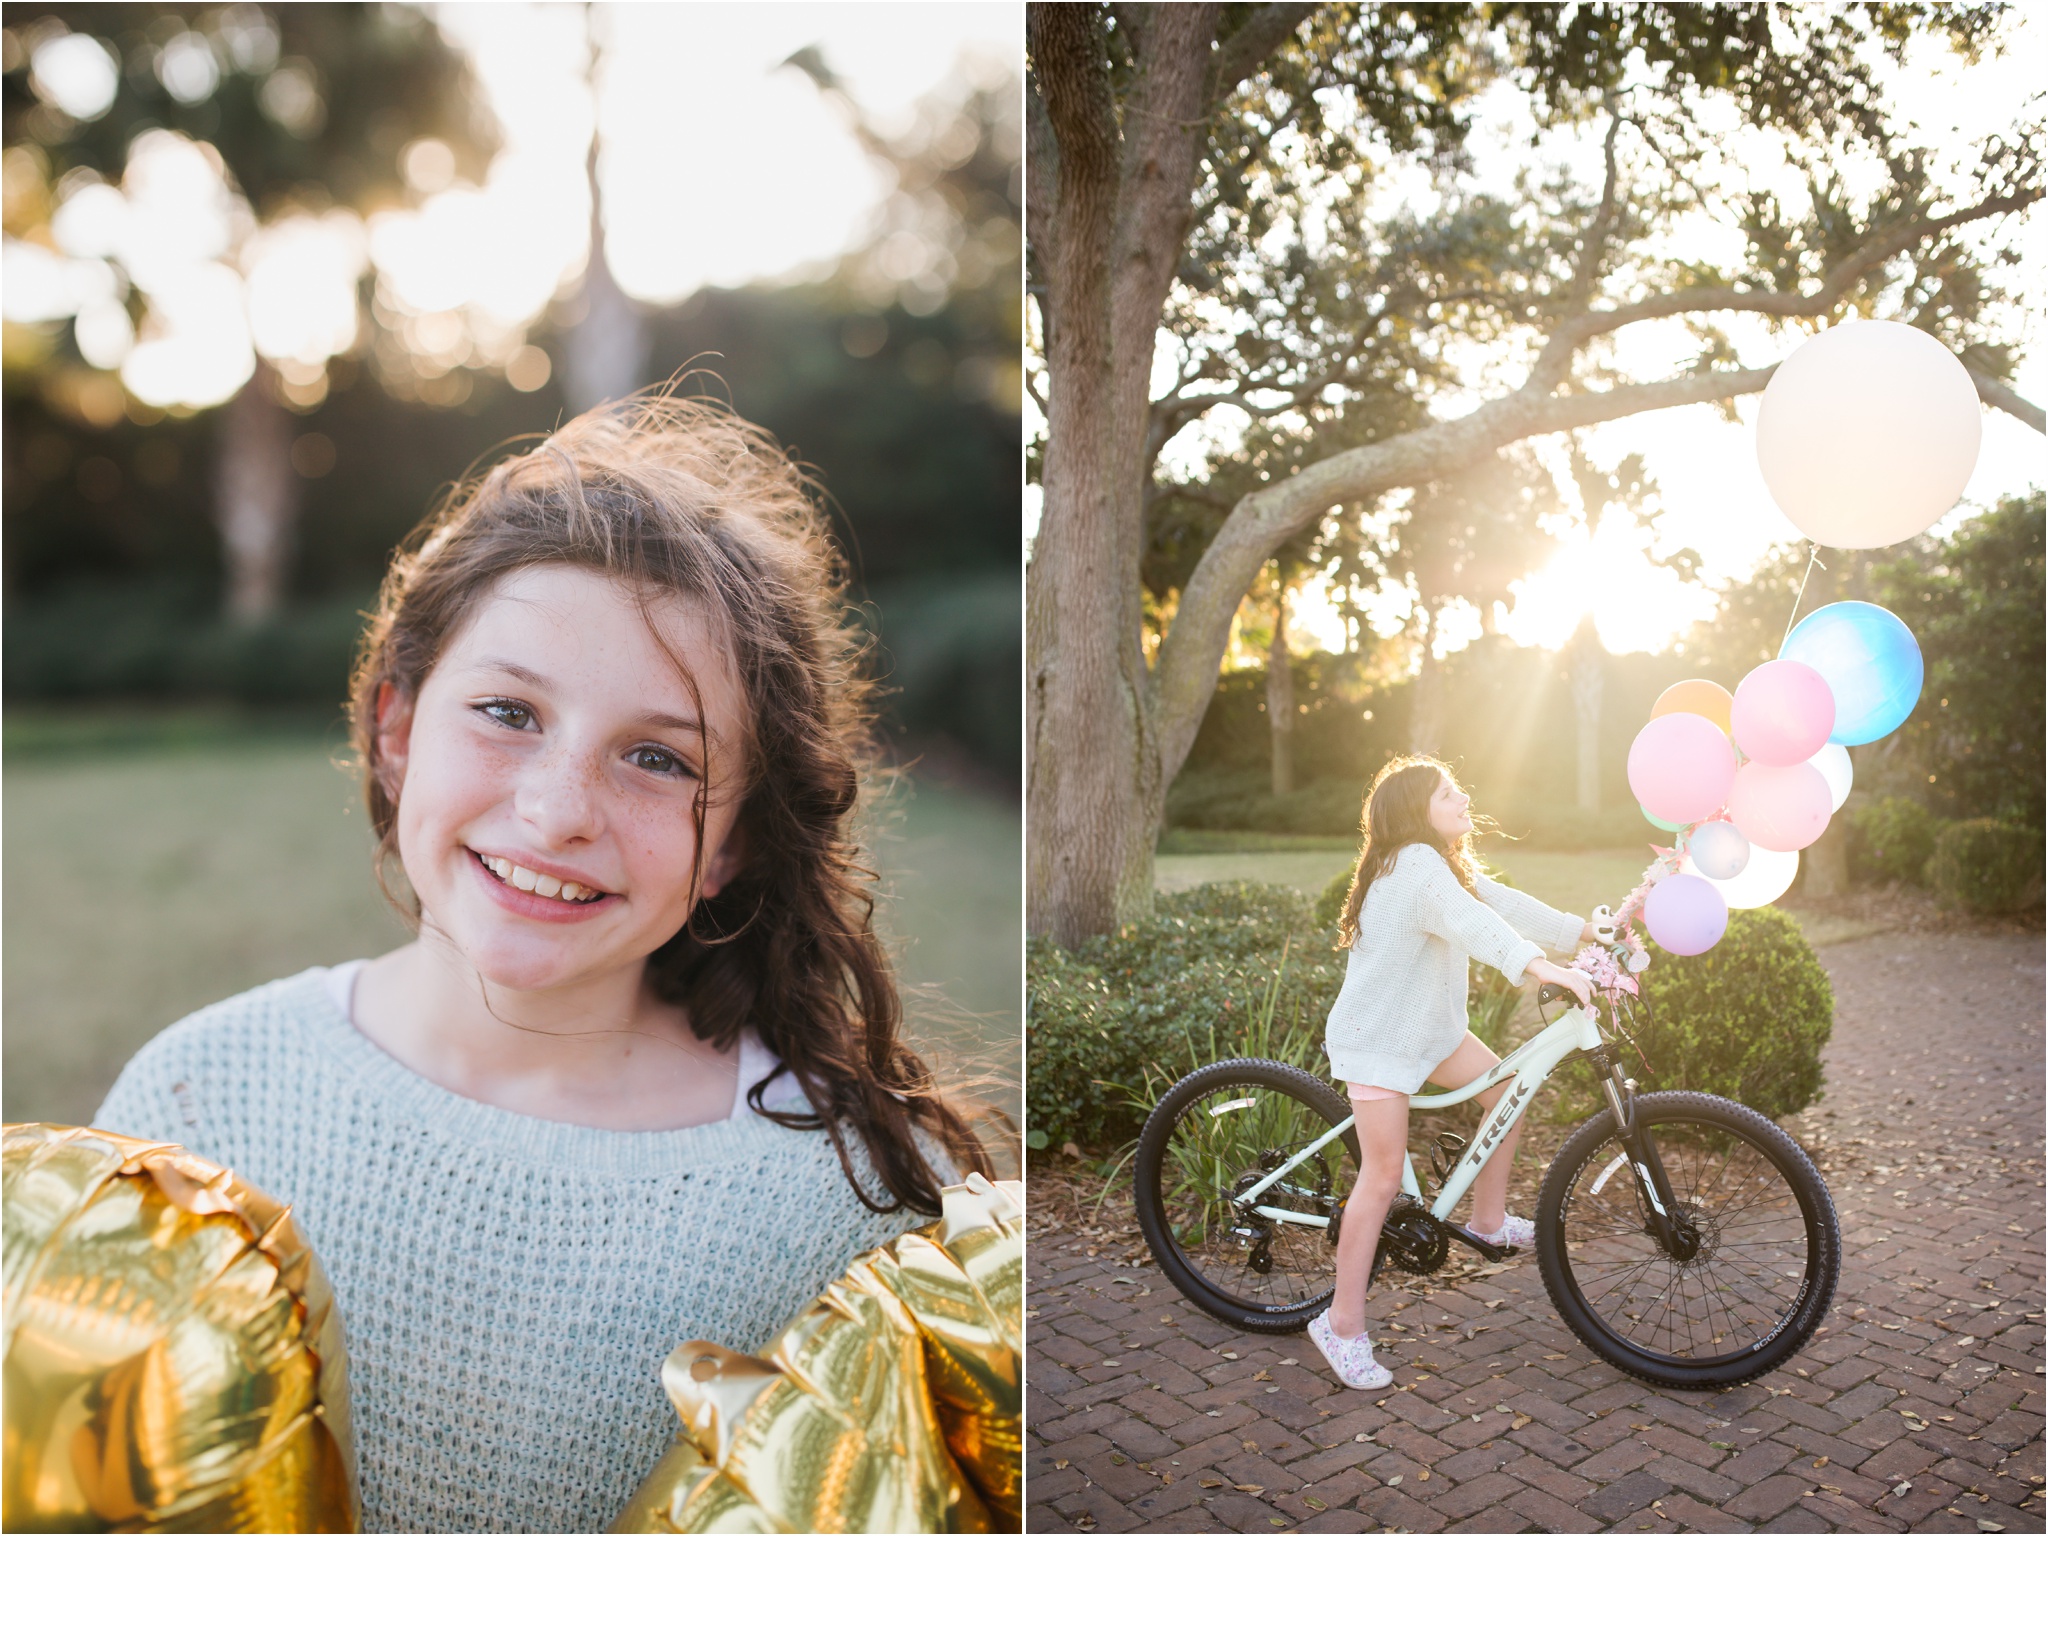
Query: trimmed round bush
[1891,839]
[1746,1020]
[1987,866]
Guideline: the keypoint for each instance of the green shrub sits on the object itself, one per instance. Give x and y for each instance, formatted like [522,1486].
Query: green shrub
[1227,969]
[1331,900]
[1746,1020]
[1891,838]
[1987,866]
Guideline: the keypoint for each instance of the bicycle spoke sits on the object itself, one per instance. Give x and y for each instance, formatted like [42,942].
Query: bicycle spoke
[1717,1300]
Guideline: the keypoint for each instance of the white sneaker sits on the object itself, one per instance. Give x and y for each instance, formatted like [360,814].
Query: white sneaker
[1352,1359]
[1515,1233]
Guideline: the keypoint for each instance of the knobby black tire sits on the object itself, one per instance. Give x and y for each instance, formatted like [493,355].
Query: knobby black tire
[1804,1307]
[1167,1251]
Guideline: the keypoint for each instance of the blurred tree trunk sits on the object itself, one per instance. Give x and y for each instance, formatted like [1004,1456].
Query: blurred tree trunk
[607,350]
[1426,705]
[256,498]
[1586,659]
[1280,696]
[1824,870]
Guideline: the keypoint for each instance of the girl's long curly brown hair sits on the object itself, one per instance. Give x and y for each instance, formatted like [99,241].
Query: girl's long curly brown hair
[681,498]
[1396,814]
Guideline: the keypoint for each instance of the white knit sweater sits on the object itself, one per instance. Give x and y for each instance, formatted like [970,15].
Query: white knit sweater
[509,1285]
[1402,1008]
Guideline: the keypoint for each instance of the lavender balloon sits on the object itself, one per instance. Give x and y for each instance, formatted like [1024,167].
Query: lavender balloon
[1685,914]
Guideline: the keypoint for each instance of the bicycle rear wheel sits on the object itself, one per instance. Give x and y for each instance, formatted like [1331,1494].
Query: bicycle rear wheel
[1210,1137]
[1769,1253]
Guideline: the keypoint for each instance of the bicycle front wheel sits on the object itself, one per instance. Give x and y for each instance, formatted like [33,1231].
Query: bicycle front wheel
[1769,1245]
[1213,1135]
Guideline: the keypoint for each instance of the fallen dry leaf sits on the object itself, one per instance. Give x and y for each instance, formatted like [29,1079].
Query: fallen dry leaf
[1248,1488]
[1518,1422]
[1211,1482]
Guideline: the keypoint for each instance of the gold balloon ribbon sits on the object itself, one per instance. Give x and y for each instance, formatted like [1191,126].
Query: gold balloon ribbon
[174,1357]
[891,1405]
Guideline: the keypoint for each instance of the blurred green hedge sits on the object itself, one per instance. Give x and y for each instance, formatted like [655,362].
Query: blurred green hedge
[1987,866]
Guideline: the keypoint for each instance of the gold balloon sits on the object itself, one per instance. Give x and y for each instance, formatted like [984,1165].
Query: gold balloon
[174,1359]
[893,1404]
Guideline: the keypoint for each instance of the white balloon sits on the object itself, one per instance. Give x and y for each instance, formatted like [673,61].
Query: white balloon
[1867,434]
[1719,850]
[1764,879]
[1836,767]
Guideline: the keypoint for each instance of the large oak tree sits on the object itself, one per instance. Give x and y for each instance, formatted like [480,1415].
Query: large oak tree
[1205,175]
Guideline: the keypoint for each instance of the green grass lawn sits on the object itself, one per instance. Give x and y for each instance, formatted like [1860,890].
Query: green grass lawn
[143,882]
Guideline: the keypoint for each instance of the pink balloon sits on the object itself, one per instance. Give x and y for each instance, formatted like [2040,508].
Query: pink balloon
[1685,914]
[1780,809]
[1681,767]
[1783,712]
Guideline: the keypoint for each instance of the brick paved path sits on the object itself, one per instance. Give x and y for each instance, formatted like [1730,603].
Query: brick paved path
[1918,1406]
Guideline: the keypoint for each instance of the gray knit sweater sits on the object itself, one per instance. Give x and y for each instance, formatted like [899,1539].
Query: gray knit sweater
[1402,1008]
[509,1285]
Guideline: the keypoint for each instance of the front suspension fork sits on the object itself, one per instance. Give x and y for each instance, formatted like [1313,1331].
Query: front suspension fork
[1653,1187]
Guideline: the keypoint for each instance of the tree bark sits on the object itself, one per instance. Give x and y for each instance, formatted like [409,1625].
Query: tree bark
[1280,697]
[256,499]
[1117,204]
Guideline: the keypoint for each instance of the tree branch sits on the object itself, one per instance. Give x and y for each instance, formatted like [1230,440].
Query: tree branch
[1260,35]
[1873,253]
[2000,396]
[1555,361]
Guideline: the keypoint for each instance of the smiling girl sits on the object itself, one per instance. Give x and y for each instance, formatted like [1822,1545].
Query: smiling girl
[1420,910]
[638,1078]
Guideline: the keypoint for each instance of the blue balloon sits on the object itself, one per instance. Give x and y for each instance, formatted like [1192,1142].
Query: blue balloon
[1868,658]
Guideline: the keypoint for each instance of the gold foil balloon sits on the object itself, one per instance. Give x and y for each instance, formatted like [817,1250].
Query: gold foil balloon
[174,1357]
[891,1405]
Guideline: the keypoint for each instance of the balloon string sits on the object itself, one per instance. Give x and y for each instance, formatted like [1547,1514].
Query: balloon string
[1812,561]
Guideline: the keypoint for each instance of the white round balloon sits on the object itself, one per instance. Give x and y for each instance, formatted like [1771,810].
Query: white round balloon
[1867,434]
[1836,767]
[1764,879]
[1719,850]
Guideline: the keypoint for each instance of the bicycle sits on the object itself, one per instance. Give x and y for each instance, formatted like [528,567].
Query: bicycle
[1712,1263]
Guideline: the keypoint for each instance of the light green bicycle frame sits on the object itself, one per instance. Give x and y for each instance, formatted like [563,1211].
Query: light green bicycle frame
[1528,1066]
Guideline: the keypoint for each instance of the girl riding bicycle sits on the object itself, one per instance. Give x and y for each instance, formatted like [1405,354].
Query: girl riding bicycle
[1419,909]
[638,1078]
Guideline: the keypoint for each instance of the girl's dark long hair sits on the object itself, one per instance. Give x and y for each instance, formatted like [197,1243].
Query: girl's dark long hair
[1396,814]
[681,498]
